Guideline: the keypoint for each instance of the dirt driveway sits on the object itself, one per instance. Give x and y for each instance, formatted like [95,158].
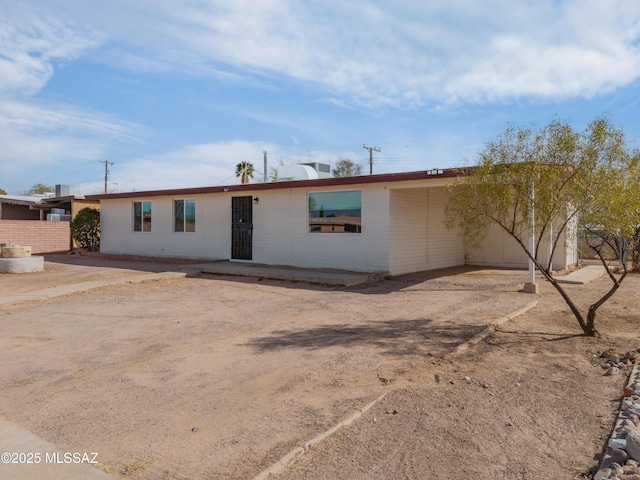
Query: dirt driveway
[217,377]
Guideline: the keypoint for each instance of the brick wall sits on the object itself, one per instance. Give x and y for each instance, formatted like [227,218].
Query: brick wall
[41,236]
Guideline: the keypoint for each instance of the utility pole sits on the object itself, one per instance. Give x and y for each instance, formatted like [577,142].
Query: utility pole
[371,150]
[265,165]
[106,172]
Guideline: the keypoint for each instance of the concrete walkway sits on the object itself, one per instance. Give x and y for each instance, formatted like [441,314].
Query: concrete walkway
[280,272]
[54,292]
[584,275]
[19,446]
[322,277]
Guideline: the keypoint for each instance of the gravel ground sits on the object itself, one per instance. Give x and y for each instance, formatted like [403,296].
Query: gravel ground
[217,377]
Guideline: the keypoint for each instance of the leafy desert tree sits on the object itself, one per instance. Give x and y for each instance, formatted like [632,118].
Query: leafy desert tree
[559,181]
[244,171]
[346,168]
[39,189]
[3,192]
[85,229]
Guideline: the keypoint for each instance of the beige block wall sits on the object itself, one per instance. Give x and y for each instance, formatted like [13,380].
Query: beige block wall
[42,237]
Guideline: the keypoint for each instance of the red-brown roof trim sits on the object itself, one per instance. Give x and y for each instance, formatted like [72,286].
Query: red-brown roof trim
[321,182]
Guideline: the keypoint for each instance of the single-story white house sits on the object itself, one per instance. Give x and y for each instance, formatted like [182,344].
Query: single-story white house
[390,223]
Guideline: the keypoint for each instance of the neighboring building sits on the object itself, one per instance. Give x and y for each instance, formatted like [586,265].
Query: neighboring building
[389,223]
[44,238]
[40,207]
[20,207]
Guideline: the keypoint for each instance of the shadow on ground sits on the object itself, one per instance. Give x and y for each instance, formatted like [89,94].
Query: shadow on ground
[393,337]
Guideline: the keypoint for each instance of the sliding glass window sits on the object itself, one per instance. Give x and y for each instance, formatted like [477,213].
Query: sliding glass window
[142,216]
[184,215]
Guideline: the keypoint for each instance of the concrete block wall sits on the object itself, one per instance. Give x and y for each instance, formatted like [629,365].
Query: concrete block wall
[42,236]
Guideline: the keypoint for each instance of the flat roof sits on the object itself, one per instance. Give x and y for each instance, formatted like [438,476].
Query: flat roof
[320,182]
[19,199]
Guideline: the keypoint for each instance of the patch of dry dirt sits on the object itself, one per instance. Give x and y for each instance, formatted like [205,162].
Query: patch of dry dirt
[218,378]
[537,404]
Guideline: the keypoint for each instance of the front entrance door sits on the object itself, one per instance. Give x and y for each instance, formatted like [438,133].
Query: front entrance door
[241,228]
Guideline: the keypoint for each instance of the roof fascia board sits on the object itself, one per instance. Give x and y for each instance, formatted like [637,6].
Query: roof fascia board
[433,176]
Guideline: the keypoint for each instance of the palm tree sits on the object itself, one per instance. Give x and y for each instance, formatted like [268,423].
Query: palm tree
[244,171]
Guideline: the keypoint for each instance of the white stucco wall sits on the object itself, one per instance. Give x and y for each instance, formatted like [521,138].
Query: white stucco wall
[418,237]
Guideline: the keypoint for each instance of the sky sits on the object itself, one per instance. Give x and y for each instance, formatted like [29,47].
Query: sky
[176,94]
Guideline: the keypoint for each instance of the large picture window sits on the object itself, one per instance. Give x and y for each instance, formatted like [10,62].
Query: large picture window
[142,216]
[335,212]
[184,215]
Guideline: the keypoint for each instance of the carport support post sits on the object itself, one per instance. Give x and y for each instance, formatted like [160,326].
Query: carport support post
[531,286]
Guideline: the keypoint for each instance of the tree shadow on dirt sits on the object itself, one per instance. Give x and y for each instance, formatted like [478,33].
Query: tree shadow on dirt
[393,337]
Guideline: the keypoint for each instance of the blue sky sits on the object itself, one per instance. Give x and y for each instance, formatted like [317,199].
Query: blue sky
[177,93]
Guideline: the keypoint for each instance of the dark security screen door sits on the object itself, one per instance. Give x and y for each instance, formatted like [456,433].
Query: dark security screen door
[241,228]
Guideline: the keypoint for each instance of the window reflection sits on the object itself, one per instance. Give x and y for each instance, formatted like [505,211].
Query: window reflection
[335,212]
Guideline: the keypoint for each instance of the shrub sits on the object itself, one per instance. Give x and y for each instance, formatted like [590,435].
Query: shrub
[85,229]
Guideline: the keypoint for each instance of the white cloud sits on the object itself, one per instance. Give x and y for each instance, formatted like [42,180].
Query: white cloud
[29,44]
[190,166]
[43,140]
[385,53]
[47,118]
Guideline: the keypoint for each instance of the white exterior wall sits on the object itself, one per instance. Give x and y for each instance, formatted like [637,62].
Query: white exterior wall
[280,230]
[418,238]
[208,241]
[499,249]
[402,231]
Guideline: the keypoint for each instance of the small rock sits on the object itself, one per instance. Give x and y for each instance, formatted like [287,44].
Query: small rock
[613,371]
[614,358]
[619,456]
[606,365]
[617,443]
[627,390]
[485,385]
[194,429]
[634,409]
[633,444]
[602,474]
[467,379]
